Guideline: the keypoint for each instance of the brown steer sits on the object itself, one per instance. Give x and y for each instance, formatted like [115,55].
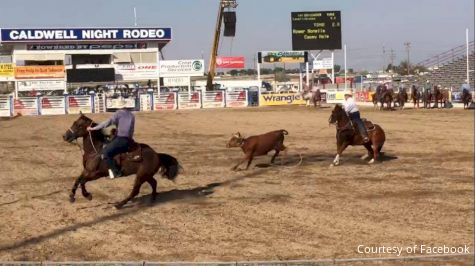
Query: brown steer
[258,145]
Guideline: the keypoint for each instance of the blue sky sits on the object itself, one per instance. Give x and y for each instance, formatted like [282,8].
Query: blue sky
[432,26]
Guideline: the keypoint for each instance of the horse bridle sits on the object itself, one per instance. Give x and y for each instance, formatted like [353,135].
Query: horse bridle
[90,138]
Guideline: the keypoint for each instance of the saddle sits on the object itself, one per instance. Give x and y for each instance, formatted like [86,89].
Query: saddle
[368,124]
[134,153]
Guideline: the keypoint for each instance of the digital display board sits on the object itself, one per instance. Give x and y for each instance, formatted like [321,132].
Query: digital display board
[320,30]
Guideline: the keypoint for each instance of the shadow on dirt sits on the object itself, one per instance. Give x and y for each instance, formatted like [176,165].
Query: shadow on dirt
[138,204]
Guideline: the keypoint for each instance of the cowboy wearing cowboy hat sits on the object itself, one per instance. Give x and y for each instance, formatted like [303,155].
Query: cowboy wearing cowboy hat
[124,120]
[354,114]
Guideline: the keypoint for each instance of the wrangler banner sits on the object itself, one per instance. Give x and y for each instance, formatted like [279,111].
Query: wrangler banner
[31,72]
[7,70]
[271,99]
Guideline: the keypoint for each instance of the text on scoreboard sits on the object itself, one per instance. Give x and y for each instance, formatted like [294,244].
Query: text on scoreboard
[316,30]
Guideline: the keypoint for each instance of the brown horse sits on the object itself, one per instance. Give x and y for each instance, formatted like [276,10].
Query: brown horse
[440,96]
[466,99]
[347,134]
[145,166]
[401,98]
[314,97]
[416,96]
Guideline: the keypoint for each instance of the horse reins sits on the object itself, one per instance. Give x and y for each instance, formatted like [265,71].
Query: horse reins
[90,138]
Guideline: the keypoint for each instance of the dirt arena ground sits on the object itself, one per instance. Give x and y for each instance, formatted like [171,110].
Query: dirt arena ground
[421,194]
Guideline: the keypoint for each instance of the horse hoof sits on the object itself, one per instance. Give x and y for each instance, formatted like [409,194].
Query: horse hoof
[88,196]
[119,205]
[364,157]
[72,199]
[371,162]
[332,165]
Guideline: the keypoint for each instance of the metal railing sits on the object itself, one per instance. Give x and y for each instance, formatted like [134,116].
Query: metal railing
[448,56]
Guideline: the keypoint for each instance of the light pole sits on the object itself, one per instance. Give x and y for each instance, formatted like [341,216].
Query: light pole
[408,47]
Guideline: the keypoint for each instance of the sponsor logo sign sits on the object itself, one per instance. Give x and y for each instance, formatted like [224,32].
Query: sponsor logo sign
[325,63]
[230,62]
[31,72]
[41,85]
[85,34]
[281,99]
[180,68]
[335,96]
[283,57]
[86,46]
[7,70]
[136,71]
[176,82]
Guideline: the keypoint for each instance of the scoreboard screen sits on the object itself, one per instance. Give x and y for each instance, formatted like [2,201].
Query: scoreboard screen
[320,30]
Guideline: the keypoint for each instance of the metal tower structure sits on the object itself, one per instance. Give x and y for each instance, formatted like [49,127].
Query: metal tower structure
[223,4]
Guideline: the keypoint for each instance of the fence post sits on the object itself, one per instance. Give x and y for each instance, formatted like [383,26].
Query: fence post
[225,95]
[66,104]
[152,101]
[11,102]
[39,103]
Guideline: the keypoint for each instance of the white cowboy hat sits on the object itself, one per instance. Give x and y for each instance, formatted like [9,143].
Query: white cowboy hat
[348,92]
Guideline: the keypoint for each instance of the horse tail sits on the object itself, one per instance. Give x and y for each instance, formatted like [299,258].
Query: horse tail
[170,165]
[284,132]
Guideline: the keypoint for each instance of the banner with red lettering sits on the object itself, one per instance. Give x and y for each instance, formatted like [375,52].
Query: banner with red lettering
[230,62]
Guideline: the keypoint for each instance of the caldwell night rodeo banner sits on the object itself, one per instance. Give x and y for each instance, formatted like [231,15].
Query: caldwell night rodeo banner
[85,34]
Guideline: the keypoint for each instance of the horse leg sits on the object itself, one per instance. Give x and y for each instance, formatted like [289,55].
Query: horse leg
[75,187]
[135,191]
[340,149]
[84,180]
[370,151]
[377,152]
[153,183]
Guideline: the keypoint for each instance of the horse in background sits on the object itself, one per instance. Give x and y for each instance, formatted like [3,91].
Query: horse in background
[466,99]
[415,96]
[427,98]
[312,96]
[401,97]
[440,96]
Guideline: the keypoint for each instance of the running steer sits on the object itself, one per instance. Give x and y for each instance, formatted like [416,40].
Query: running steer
[258,145]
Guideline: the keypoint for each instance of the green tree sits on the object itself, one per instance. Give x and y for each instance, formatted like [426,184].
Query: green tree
[337,68]
[233,72]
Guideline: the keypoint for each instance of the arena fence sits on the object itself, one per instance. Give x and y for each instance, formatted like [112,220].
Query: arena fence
[99,103]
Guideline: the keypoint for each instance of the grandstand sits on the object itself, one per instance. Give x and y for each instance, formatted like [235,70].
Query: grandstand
[450,68]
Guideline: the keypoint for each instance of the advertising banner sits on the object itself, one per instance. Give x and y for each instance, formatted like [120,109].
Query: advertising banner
[41,85]
[176,82]
[140,71]
[270,99]
[325,63]
[85,34]
[180,68]
[230,62]
[283,57]
[7,70]
[85,46]
[335,96]
[34,72]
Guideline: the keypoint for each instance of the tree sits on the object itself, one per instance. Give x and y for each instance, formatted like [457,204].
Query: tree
[233,72]
[281,77]
[337,68]
[350,70]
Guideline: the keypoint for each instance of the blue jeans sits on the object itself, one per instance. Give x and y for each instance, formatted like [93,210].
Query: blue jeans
[117,146]
[355,117]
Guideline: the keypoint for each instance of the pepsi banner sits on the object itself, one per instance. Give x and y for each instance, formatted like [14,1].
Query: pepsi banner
[85,34]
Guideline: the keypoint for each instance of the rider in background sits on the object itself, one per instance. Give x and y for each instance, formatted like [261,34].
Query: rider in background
[124,120]
[353,112]
[465,87]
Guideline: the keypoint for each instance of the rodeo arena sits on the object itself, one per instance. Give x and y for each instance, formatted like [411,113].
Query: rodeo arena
[323,167]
